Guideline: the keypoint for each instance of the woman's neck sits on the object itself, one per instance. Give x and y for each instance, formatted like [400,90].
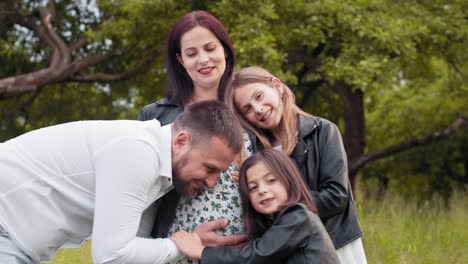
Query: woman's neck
[202,94]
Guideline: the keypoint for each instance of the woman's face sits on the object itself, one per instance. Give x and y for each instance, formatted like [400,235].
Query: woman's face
[203,57]
[260,104]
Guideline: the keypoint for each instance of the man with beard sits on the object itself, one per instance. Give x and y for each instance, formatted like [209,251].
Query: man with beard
[63,184]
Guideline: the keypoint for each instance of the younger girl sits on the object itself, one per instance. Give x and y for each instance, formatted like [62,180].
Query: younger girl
[267,108]
[279,214]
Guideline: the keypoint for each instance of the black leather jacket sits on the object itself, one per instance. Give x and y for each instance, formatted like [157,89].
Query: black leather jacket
[296,236]
[321,157]
[161,110]
[165,113]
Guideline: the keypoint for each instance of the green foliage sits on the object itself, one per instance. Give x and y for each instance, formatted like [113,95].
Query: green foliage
[408,57]
[62,103]
[414,108]
[252,27]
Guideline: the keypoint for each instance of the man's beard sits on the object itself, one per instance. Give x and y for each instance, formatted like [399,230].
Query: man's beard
[183,188]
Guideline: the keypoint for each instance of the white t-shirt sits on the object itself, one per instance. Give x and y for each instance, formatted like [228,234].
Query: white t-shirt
[61,184]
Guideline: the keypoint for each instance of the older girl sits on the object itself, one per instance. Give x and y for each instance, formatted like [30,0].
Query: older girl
[280,216]
[266,107]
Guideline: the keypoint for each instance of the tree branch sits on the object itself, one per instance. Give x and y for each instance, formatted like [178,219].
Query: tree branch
[81,64]
[106,77]
[44,32]
[61,68]
[78,43]
[24,83]
[435,136]
[23,19]
[59,44]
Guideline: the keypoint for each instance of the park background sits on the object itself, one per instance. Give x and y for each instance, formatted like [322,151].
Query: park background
[391,74]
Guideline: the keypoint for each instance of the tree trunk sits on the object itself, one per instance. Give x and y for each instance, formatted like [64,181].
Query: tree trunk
[354,136]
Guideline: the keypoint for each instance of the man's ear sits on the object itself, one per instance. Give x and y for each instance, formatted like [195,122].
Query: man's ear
[181,143]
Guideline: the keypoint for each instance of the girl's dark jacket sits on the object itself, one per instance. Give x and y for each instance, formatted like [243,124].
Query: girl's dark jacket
[321,158]
[296,236]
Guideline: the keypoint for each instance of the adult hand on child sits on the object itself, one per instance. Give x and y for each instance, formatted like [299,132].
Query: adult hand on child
[209,237]
[189,244]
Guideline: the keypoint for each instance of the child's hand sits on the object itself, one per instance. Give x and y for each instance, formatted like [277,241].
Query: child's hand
[189,244]
[235,177]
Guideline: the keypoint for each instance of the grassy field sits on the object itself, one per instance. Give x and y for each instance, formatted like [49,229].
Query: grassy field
[396,231]
[399,231]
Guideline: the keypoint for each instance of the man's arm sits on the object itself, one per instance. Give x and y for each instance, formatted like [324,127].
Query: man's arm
[125,176]
[147,222]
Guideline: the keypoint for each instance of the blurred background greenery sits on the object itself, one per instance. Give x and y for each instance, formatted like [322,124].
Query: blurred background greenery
[391,74]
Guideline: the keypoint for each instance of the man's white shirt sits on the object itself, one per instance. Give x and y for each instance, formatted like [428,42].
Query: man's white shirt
[65,183]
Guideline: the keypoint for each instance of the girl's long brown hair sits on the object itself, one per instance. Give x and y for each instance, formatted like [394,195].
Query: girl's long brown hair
[286,131]
[286,171]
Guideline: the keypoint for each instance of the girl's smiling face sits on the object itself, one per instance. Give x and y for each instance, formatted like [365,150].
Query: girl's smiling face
[260,103]
[266,192]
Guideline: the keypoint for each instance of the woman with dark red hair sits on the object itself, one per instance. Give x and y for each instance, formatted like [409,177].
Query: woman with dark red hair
[200,61]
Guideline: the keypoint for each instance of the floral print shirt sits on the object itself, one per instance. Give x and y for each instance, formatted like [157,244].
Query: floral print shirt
[222,201]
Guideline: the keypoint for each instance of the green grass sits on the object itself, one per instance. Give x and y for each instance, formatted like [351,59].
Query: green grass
[395,231]
[400,231]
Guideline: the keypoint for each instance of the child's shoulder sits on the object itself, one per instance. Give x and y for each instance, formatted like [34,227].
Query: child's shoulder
[298,213]
[295,210]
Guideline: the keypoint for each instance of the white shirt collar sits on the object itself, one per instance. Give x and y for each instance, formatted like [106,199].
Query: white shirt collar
[165,135]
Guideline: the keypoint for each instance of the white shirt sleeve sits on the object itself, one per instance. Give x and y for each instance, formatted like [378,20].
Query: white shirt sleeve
[147,222]
[126,173]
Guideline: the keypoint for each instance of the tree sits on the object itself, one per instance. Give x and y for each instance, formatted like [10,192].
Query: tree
[68,58]
[359,50]
[77,50]
[350,61]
